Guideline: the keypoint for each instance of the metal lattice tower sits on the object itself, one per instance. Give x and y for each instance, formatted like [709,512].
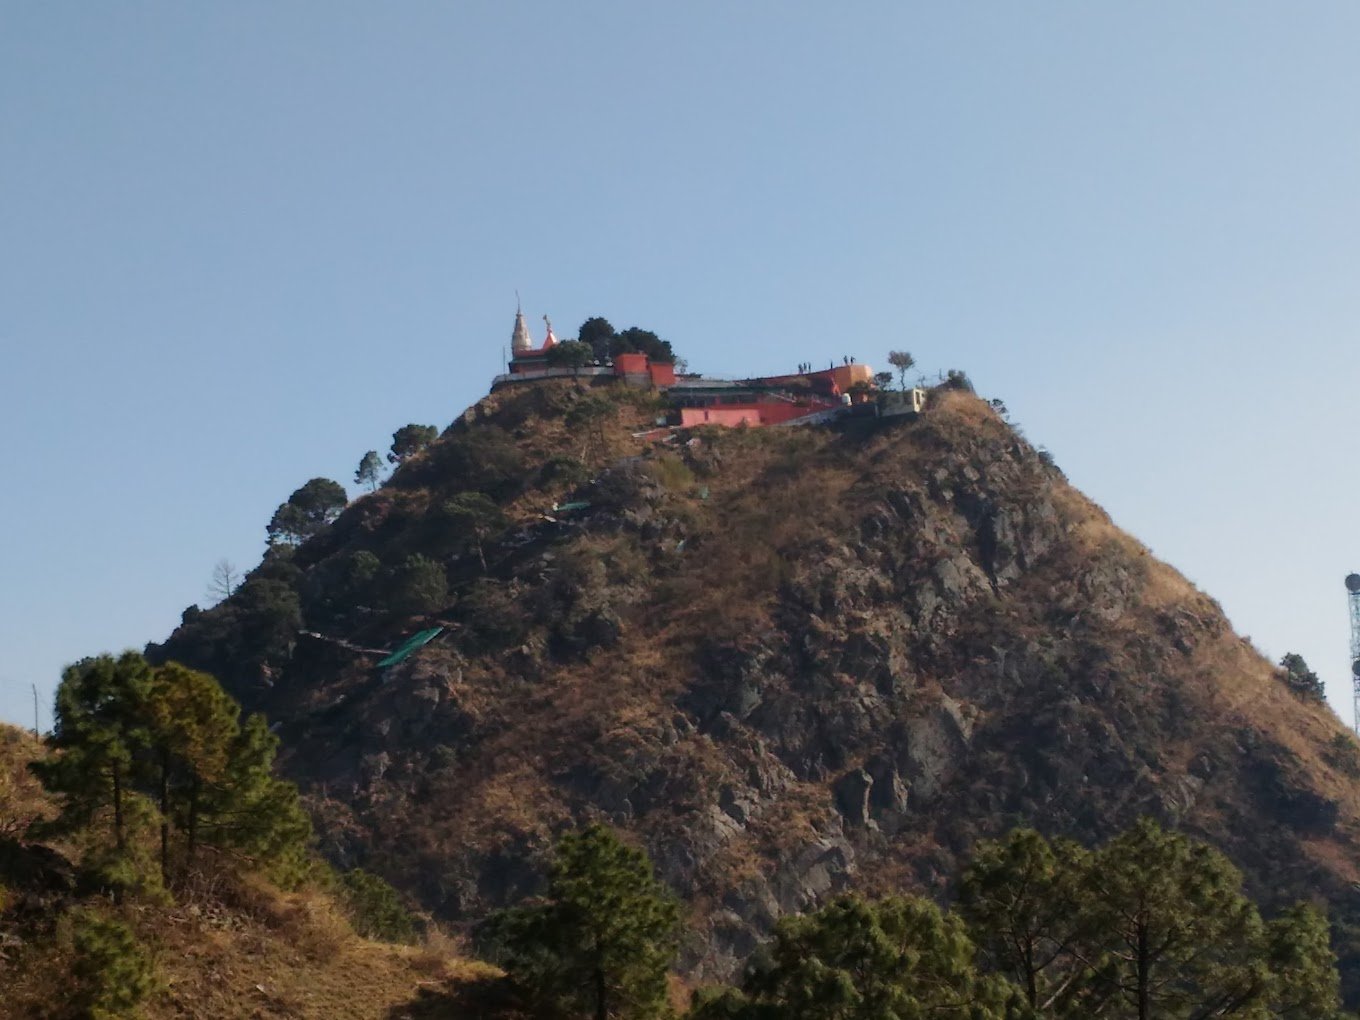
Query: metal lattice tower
[1353,591]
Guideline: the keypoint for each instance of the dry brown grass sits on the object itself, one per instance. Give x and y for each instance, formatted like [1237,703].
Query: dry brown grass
[21,795]
[311,967]
[273,955]
[962,406]
[1229,679]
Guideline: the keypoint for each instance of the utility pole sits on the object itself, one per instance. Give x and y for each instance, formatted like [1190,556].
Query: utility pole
[36,727]
[1353,594]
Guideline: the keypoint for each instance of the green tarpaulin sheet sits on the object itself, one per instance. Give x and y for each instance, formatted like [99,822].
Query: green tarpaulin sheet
[411,644]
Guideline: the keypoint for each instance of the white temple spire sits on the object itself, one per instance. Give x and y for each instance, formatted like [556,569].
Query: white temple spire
[520,341]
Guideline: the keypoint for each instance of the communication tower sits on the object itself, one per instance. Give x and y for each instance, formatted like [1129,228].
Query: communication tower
[1353,591]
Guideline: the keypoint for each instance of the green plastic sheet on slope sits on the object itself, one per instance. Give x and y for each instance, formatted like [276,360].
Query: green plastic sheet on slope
[411,644]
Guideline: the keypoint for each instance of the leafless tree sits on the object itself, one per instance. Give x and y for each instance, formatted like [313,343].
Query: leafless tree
[225,580]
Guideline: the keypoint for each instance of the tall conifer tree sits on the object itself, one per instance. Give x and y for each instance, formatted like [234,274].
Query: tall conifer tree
[192,723]
[249,809]
[100,736]
[603,937]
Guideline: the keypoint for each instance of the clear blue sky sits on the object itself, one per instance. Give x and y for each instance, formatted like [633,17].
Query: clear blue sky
[241,243]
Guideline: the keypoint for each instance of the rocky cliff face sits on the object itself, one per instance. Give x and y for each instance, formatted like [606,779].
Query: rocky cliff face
[792,662]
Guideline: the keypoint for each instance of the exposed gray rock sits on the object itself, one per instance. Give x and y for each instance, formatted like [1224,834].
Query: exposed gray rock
[889,796]
[852,796]
[935,746]
[813,872]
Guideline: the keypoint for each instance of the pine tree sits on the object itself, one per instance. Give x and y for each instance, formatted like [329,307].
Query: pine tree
[250,810]
[306,512]
[601,940]
[1304,981]
[98,740]
[1172,929]
[409,440]
[370,471]
[1021,897]
[125,733]
[895,959]
[192,724]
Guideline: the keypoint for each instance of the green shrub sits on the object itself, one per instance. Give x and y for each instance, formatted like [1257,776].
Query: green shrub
[419,585]
[493,617]
[673,473]
[113,973]
[561,470]
[375,908]
[957,379]
[339,583]
[483,459]
[1300,679]
[1343,754]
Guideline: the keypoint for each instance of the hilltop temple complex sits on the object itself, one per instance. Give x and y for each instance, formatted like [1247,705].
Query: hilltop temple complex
[797,397]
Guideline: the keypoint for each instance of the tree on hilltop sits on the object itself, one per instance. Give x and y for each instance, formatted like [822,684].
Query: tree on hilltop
[224,581]
[903,362]
[601,939]
[1302,680]
[370,471]
[570,354]
[596,333]
[957,379]
[308,510]
[641,341]
[410,440]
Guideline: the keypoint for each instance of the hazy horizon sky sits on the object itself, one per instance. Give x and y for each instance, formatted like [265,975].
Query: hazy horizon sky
[240,244]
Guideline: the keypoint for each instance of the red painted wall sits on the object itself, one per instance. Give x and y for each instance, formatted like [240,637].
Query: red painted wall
[729,415]
[663,374]
[630,364]
[735,414]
